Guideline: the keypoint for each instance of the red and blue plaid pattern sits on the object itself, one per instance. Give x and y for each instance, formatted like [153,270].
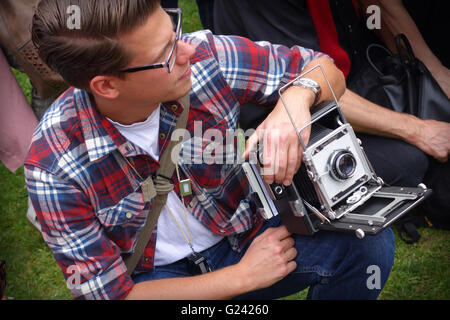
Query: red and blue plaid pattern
[89,201]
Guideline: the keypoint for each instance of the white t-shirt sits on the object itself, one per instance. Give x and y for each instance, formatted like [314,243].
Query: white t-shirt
[170,243]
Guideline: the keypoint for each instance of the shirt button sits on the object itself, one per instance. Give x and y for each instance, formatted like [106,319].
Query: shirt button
[129,215]
[162,136]
[146,259]
[222,231]
[174,107]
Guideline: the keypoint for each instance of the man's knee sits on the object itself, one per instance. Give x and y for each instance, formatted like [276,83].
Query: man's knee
[380,251]
[375,251]
[380,261]
[395,161]
[362,267]
[375,256]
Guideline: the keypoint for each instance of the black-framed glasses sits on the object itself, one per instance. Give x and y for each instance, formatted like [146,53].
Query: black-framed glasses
[175,15]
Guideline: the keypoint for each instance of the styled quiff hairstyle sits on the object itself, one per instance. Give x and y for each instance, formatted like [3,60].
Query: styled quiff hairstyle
[81,52]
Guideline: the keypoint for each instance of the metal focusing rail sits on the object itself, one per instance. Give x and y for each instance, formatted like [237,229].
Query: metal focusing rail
[380,216]
[282,89]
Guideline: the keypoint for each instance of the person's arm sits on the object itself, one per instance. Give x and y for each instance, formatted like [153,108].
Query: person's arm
[94,269]
[255,72]
[396,19]
[432,137]
[91,263]
[283,152]
[268,260]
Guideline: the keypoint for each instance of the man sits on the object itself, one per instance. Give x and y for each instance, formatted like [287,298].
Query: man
[96,145]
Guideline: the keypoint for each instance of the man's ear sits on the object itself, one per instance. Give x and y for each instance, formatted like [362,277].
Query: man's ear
[104,86]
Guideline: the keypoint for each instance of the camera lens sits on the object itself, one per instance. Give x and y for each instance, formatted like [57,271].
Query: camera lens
[342,164]
[346,164]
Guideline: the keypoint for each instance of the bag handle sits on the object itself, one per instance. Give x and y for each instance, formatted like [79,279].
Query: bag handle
[410,53]
[369,59]
[409,63]
[410,58]
[162,187]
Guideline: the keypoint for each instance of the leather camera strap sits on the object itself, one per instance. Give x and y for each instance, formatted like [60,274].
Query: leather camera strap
[158,189]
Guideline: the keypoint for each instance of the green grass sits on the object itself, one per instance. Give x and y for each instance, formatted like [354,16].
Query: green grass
[421,271]
[191,18]
[32,272]
[24,83]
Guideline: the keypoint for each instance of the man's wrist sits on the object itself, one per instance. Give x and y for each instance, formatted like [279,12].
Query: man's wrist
[411,128]
[240,283]
[311,85]
[303,96]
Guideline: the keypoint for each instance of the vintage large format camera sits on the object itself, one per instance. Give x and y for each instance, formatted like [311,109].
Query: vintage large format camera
[336,187]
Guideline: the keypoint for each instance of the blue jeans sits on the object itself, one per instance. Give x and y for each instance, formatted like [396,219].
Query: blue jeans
[333,265]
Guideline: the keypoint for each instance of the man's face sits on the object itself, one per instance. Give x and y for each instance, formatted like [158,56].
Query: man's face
[152,43]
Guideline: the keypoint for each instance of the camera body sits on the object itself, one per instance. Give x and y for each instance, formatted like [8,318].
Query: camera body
[336,187]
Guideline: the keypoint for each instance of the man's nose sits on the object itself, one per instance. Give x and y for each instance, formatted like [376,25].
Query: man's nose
[184,52]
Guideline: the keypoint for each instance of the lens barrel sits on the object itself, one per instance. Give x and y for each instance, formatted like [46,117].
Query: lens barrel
[342,165]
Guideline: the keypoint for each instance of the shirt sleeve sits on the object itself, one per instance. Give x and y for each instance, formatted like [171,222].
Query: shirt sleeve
[91,263]
[256,70]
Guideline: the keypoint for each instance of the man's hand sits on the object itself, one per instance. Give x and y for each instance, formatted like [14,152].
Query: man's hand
[282,151]
[433,138]
[269,259]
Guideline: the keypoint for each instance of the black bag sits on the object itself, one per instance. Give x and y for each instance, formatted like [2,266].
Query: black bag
[401,82]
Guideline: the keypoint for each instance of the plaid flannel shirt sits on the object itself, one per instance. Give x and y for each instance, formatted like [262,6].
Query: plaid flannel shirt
[89,201]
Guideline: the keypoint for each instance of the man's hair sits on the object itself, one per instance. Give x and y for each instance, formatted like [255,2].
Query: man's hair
[81,51]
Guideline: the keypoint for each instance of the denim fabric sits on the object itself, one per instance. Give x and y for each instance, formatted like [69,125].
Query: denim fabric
[333,265]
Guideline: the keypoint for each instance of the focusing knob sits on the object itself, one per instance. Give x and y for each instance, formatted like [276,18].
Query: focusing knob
[423,186]
[360,233]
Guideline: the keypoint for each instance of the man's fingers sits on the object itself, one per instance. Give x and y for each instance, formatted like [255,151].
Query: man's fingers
[290,254]
[280,159]
[442,159]
[294,159]
[252,142]
[291,266]
[279,233]
[269,155]
[281,153]
[287,243]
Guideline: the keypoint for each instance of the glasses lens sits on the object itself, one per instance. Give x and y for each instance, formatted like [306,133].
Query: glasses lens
[176,23]
[174,17]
